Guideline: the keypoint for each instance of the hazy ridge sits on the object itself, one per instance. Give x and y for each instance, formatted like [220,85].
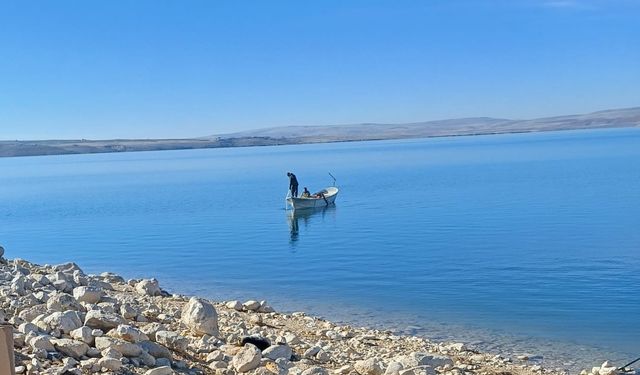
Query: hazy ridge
[615,118]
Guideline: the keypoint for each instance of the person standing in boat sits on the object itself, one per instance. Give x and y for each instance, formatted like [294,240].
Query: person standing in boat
[293,184]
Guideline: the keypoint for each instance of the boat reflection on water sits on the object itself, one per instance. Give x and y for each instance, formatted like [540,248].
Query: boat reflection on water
[307,217]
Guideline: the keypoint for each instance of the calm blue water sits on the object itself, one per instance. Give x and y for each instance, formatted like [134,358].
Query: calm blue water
[516,243]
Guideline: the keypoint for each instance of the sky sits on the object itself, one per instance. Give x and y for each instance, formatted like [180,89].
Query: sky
[165,69]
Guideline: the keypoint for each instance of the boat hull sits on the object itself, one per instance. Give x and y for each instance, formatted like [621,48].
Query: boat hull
[330,195]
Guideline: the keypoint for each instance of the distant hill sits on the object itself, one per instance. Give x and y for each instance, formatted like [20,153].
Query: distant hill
[616,118]
[629,117]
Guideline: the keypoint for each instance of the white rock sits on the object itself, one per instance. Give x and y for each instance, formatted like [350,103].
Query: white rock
[323,356]
[215,355]
[64,321]
[72,348]
[129,311]
[172,340]
[423,359]
[236,305]
[256,320]
[277,351]
[218,365]
[151,329]
[97,332]
[292,339]
[42,342]
[87,294]
[459,347]
[127,349]
[315,370]
[27,327]
[371,366]
[83,334]
[311,352]
[247,359]
[128,333]
[251,305]
[394,368]
[148,287]
[112,353]
[164,370]
[111,364]
[201,317]
[156,350]
[102,320]
[344,370]
[112,278]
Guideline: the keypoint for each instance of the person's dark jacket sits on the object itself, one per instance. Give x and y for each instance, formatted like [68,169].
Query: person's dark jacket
[293,181]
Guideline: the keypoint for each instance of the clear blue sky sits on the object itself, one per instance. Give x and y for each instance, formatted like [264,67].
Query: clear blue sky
[104,69]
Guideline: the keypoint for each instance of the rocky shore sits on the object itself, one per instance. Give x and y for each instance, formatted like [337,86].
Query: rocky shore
[67,322]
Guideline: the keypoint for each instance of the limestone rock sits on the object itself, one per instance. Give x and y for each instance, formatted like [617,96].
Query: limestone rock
[151,329]
[27,327]
[83,334]
[164,370]
[371,366]
[423,359]
[251,305]
[215,355]
[63,302]
[172,340]
[112,278]
[111,364]
[148,287]
[156,350]
[247,359]
[87,294]
[42,342]
[394,368]
[73,348]
[102,320]
[201,317]
[236,305]
[64,321]
[315,370]
[128,333]
[129,311]
[147,359]
[127,349]
[278,351]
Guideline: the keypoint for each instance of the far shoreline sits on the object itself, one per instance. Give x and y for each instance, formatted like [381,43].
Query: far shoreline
[119,146]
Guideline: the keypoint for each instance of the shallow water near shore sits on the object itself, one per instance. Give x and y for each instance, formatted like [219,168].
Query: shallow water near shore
[522,243]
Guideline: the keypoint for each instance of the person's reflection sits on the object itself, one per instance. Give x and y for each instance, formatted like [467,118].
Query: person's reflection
[294,228]
[306,216]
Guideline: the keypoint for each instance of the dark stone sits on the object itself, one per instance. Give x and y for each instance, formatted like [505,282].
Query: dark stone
[259,341]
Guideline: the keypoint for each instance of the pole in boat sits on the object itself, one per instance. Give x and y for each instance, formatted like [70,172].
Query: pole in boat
[334,179]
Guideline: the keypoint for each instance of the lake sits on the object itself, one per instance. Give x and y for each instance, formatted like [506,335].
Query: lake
[520,243]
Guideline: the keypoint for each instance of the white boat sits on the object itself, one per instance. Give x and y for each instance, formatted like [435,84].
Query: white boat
[323,198]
